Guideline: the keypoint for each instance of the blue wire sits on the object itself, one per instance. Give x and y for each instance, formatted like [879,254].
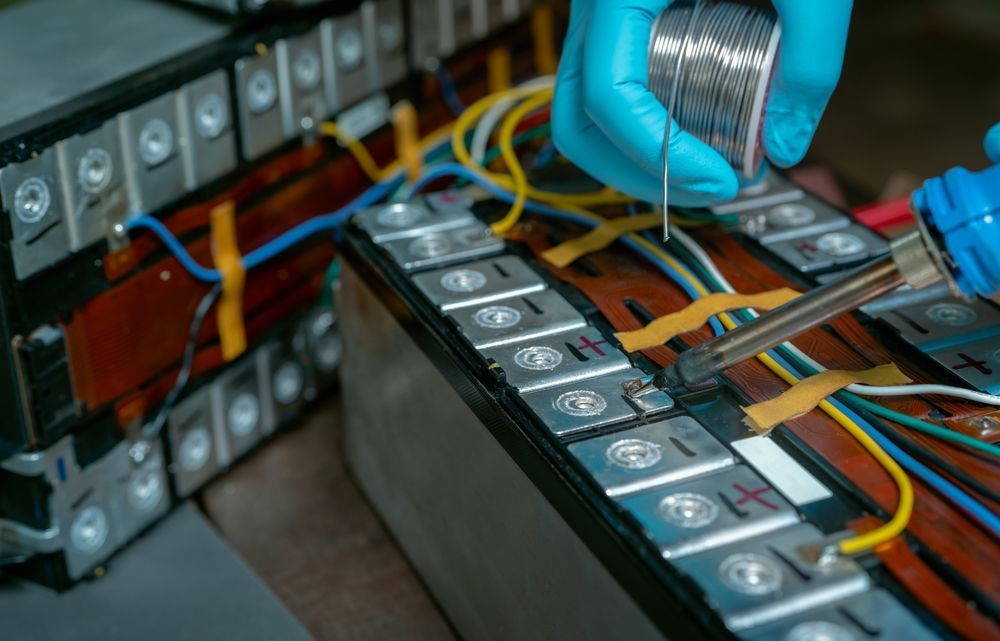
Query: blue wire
[942,485]
[264,253]
[448,91]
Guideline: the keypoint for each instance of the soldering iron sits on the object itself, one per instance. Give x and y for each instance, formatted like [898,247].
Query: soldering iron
[957,240]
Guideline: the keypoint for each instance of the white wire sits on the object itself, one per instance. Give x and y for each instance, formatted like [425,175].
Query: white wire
[488,122]
[864,390]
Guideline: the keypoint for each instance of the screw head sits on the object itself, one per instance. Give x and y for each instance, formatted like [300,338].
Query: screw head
[792,215]
[633,453]
[145,489]
[497,317]
[538,358]
[307,70]
[156,141]
[400,215]
[89,529]
[689,509]
[581,403]
[210,116]
[840,244]
[32,199]
[243,414]
[463,280]
[390,35]
[820,631]
[350,48]
[289,380]
[194,450]
[430,246]
[951,314]
[261,91]
[94,170]
[750,573]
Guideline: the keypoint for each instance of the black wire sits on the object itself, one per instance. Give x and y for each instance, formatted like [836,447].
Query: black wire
[921,452]
[200,312]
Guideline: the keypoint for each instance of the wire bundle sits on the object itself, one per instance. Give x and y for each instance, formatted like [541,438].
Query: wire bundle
[710,64]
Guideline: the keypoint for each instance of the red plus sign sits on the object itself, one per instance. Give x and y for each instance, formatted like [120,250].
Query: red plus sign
[971,362]
[447,197]
[586,343]
[753,495]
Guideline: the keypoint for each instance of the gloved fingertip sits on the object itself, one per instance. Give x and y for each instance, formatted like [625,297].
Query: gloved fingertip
[992,143]
[787,137]
[719,187]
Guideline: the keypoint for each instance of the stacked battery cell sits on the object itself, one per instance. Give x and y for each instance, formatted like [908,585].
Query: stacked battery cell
[727,511]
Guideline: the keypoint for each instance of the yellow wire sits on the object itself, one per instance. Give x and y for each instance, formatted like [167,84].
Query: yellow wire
[852,545]
[365,160]
[360,153]
[510,123]
[476,110]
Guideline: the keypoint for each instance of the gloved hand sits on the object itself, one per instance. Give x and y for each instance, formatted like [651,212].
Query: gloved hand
[607,121]
[992,143]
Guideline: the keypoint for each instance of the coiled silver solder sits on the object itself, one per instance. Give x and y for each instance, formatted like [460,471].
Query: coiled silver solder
[710,65]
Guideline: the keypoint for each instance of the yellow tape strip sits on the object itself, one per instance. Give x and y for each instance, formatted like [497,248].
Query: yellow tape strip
[810,392]
[404,121]
[229,262]
[543,30]
[599,237]
[498,76]
[697,314]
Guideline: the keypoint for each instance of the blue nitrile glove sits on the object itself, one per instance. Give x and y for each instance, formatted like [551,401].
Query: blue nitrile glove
[607,121]
[992,143]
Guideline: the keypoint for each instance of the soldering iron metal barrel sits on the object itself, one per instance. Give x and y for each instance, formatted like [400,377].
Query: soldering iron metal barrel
[710,65]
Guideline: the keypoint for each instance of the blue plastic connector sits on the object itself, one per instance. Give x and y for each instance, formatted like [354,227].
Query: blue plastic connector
[962,212]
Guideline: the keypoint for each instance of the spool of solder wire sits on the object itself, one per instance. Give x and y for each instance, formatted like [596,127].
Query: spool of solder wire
[710,64]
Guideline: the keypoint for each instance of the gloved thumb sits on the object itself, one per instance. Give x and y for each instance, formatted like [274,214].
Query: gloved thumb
[992,143]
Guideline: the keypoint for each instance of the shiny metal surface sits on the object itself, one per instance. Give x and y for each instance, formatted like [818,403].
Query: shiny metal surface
[650,455]
[237,409]
[207,129]
[788,321]
[259,105]
[432,249]
[710,511]
[774,189]
[792,219]
[976,362]
[151,146]
[194,445]
[92,510]
[936,324]
[409,219]
[302,83]
[478,282]
[465,513]
[592,403]
[385,37]
[832,249]
[517,320]
[345,60]
[752,583]
[92,173]
[33,202]
[853,619]
[557,359]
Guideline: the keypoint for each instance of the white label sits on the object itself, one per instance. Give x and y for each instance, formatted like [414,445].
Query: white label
[365,117]
[781,470]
